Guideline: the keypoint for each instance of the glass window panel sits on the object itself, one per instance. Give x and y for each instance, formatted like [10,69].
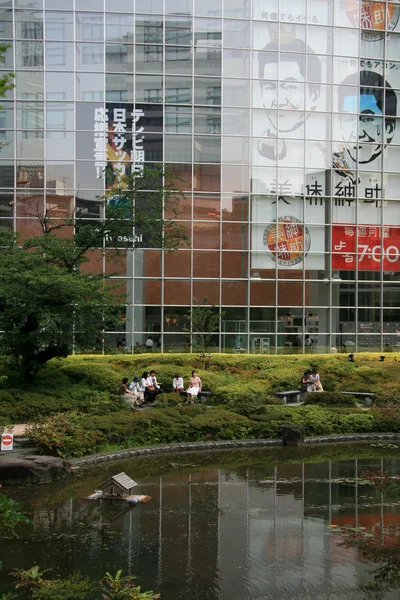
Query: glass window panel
[29,85]
[235,265]
[149,59]
[6,24]
[182,7]
[235,179]
[6,205]
[147,291]
[178,148]
[30,115]
[207,91]
[6,116]
[88,4]
[6,174]
[207,149]
[177,264]
[178,90]
[207,207]
[346,41]
[237,9]
[236,92]
[234,293]
[236,63]
[60,145]
[59,25]
[321,39]
[207,120]
[236,34]
[207,178]
[6,143]
[60,115]
[147,319]
[119,88]
[29,54]
[148,88]
[119,57]
[178,30]
[235,207]
[176,291]
[149,29]
[207,289]
[30,174]
[178,119]
[208,32]
[206,235]
[119,5]
[89,27]
[8,58]
[60,56]
[28,24]
[207,61]
[178,60]
[86,177]
[207,8]
[184,173]
[235,121]
[30,145]
[393,46]
[59,175]
[89,57]
[66,4]
[235,236]
[235,150]
[119,28]
[90,87]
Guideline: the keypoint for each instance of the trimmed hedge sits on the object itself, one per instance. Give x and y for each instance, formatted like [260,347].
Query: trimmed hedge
[331,399]
[74,435]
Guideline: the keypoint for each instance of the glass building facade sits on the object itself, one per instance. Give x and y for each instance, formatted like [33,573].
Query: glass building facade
[280,118]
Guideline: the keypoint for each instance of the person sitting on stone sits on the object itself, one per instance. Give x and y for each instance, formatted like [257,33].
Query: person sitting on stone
[177,384]
[134,387]
[147,387]
[194,387]
[125,393]
[305,382]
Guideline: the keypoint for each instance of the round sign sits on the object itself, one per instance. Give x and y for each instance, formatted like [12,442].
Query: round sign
[6,440]
[287,240]
[375,17]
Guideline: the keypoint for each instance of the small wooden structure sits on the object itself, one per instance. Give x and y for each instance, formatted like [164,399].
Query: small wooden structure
[118,487]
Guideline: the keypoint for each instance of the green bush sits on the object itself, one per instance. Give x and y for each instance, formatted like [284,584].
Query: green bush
[74,587]
[330,399]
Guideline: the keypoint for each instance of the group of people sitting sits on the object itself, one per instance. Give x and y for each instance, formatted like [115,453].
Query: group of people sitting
[140,390]
[145,389]
[311,382]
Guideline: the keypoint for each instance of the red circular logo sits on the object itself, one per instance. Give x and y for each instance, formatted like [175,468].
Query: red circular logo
[6,440]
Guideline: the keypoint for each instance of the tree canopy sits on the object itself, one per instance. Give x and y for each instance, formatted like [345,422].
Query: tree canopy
[50,301]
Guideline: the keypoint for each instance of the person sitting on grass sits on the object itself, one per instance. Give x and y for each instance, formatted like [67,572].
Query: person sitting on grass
[177,384]
[147,387]
[130,397]
[194,388]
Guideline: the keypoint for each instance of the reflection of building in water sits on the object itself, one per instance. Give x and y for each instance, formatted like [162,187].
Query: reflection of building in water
[250,532]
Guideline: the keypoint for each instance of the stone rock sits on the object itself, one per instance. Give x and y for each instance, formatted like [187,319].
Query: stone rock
[17,470]
[292,435]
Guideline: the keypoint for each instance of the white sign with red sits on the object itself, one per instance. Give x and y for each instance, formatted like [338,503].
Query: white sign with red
[369,247]
[7,442]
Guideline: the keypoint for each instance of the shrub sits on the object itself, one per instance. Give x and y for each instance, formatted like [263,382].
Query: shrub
[74,587]
[99,377]
[330,399]
[65,435]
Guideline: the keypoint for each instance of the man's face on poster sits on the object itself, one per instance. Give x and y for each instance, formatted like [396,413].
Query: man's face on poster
[287,95]
[365,140]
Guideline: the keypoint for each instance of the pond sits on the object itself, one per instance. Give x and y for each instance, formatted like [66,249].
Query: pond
[237,525]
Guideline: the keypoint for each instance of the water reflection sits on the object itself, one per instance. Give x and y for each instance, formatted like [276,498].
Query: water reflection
[259,532]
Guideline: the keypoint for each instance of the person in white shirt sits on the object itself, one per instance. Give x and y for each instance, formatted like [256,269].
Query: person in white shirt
[135,387]
[149,343]
[177,384]
[153,381]
[147,387]
[316,380]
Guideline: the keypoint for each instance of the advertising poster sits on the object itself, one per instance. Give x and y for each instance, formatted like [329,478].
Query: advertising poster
[325,126]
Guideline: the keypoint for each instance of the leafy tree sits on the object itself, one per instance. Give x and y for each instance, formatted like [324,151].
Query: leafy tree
[204,322]
[49,303]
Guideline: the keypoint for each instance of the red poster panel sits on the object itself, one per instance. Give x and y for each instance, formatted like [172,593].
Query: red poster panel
[365,246]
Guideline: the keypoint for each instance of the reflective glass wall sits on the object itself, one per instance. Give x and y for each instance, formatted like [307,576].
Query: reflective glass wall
[279,117]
